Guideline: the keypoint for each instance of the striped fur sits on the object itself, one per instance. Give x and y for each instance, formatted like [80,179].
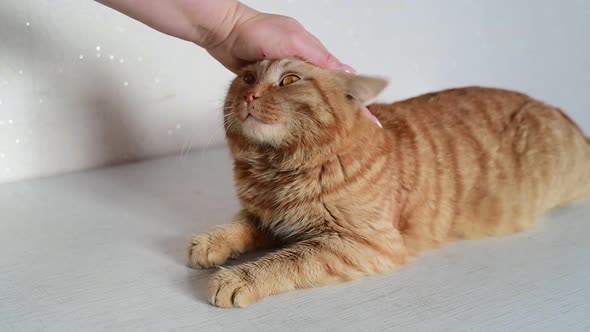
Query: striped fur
[344,198]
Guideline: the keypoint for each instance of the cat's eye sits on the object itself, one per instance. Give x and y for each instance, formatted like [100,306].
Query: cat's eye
[249,78]
[289,79]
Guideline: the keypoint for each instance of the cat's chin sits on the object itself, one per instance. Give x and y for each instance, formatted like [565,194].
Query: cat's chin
[264,133]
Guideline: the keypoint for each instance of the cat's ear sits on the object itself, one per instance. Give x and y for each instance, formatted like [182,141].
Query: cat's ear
[364,88]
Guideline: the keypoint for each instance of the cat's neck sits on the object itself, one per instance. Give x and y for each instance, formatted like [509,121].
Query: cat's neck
[363,140]
[366,138]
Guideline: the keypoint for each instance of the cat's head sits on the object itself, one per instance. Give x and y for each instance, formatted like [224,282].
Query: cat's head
[289,103]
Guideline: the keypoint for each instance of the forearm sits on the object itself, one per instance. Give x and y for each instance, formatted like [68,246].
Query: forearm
[203,22]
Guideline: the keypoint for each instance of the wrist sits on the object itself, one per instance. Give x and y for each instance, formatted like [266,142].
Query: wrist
[231,14]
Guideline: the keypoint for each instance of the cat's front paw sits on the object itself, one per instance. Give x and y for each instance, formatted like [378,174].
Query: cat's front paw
[228,288]
[206,251]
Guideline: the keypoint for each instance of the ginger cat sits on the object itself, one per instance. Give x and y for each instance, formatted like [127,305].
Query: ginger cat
[344,198]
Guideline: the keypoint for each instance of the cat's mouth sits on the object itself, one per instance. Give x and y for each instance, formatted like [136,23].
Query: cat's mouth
[249,116]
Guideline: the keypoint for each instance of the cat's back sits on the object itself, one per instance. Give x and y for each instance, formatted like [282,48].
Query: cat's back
[488,107]
[493,155]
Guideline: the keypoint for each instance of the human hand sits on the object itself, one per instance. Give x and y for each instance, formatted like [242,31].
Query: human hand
[258,36]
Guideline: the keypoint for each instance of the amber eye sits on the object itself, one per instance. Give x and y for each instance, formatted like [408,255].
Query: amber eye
[289,79]
[249,78]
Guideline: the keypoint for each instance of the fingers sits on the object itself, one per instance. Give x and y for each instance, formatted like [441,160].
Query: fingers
[365,112]
[232,63]
[273,37]
[311,49]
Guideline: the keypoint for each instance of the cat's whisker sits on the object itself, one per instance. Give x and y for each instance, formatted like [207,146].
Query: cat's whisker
[189,141]
[229,124]
[185,145]
[188,144]
[210,139]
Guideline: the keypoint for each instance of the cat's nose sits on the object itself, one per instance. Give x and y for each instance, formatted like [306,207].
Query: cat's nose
[251,96]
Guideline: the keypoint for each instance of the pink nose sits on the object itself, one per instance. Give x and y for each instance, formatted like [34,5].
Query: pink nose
[250,96]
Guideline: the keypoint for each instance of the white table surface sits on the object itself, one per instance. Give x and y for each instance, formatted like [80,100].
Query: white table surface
[105,250]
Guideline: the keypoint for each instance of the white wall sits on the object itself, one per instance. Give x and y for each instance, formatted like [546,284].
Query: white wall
[63,108]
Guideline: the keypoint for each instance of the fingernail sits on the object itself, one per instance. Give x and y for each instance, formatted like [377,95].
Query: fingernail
[377,122]
[348,69]
[371,117]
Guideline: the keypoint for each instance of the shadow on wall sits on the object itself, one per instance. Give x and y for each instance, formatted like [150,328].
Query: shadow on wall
[113,129]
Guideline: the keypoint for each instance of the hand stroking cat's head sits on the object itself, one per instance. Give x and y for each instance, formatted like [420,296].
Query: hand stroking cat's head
[288,104]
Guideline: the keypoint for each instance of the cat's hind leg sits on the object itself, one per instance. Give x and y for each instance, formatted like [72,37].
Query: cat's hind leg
[227,241]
